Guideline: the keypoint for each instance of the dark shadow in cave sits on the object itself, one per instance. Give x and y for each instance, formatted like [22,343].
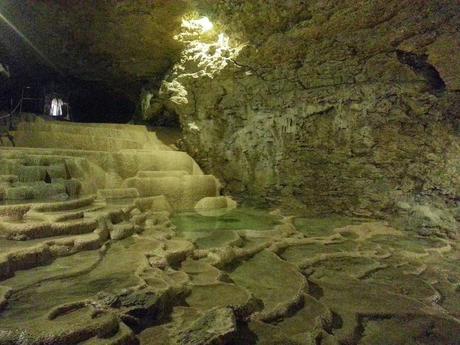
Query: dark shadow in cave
[166,118]
[94,102]
[166,125]
[89,101]
[420,65]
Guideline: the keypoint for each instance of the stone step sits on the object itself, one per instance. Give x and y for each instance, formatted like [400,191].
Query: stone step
[35,190]
[46,139]
[65,205]
[182,192]
[55,217]
[63,211]
[126,163]
[117,193]
[25,171]
[10,166]
[14,212]
[8,178]
[30,156]
[129,132]
[44,252]
[85,171]
[124,131]
[32,173]
[39,122]
[34,230]
[27,258]
[169,173]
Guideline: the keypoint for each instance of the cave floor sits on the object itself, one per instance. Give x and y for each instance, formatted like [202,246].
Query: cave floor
[112,259]
[239,277]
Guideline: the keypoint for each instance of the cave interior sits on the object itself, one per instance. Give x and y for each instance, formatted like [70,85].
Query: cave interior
[202,172]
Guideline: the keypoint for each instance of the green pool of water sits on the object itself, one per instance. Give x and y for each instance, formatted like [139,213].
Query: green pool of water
[323,226]
[238,219]
[298,288]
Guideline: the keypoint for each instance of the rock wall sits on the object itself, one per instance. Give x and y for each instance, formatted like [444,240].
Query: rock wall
[320,106]
[4,73]
[325,106]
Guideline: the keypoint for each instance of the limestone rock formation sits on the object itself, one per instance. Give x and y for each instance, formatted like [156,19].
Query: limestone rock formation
[55,160]
[111,264]
[215,327]
[324,107]
[213,206]
[345,107]
[109,235]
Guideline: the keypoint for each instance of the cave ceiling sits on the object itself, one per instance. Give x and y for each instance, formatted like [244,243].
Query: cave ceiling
[126,43]
[116,42]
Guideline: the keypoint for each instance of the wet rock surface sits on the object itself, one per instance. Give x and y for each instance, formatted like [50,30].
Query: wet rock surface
[166,260]
[319,107]
[355,282]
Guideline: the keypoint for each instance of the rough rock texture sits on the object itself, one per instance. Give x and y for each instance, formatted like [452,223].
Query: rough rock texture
[215,327]
[345,106]
[55,160]
[119,269]
[318,106]
[285,281]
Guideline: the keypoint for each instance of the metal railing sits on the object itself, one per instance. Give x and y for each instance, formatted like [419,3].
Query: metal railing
[7,119]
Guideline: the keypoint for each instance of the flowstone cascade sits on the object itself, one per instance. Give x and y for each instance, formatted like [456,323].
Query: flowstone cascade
[339,118]
[142,250]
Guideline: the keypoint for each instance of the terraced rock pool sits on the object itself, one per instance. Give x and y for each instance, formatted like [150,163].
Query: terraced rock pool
[240,277]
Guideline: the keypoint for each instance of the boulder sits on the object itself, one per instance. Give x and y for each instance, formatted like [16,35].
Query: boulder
[217,326]
[426,219]
[121,231]
[212,206]
[210,203]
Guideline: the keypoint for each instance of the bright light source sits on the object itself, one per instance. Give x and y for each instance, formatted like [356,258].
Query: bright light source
[202,56]
[203,24]
[223,41]
[193,127]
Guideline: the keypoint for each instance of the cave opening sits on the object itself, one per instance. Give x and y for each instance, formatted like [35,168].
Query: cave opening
[94,102]
[88,101]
